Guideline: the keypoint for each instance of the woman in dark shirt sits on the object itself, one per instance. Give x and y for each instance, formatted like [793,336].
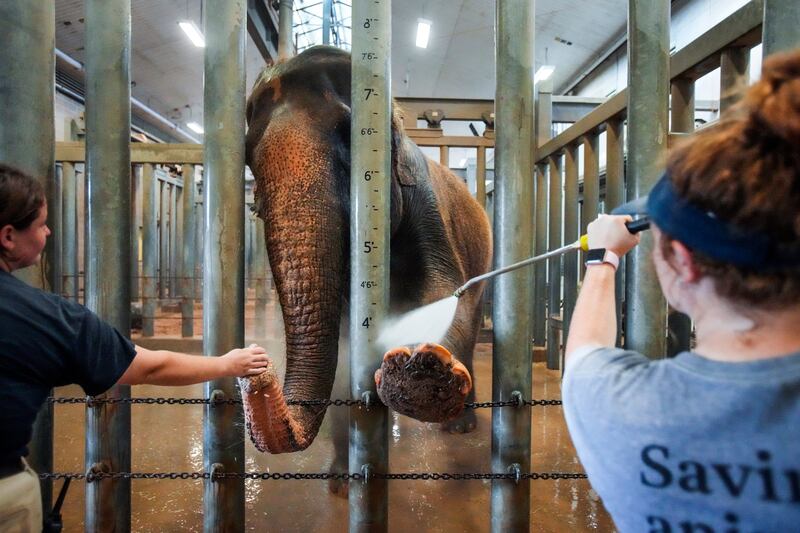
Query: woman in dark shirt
[47,341]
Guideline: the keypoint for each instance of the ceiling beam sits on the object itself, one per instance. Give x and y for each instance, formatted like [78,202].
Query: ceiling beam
[262,25]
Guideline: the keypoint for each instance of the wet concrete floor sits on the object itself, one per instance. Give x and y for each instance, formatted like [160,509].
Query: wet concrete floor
[170,438]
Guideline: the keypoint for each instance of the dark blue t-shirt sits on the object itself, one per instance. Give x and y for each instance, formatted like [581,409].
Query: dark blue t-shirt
[45,342]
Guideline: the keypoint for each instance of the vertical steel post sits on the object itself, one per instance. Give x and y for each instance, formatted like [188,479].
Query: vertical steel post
[108,173]
[539,317]
[648,90]
[174,238]
[163,256]
[554,271]
[370,177]
[513,226]
[260,268]
[734,75]
[679,325]
[223,291]
[188,253]
[615,194]
[150,192]
[480,176]
[444,156]
[327,16]
[544,111]
[285,43]
[70,231]
[571,233]
[591,183]
[135,187]
[781,20]
[682,108]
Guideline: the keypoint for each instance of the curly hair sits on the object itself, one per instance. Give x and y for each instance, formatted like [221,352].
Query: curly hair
[746,170]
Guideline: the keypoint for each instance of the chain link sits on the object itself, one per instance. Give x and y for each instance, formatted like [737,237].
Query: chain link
[407,476]
[93,401]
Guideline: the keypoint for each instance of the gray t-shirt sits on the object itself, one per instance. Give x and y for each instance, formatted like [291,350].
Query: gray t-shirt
[688,444]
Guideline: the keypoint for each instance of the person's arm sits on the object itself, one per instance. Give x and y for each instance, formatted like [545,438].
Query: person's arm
[594,321]
[161,367]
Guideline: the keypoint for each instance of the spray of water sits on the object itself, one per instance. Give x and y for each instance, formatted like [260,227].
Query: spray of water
[426,324]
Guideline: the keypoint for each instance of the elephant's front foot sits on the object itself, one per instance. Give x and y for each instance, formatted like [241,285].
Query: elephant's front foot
[429,384]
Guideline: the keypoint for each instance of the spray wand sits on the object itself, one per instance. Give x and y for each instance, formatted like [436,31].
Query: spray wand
[634,226]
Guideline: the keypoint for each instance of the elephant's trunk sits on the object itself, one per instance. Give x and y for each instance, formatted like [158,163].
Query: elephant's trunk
[306,234]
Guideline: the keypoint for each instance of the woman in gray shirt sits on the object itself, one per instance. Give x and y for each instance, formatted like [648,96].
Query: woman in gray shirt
[707,441]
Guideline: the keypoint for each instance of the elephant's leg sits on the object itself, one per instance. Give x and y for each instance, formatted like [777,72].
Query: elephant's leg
[432,382]
[464,345]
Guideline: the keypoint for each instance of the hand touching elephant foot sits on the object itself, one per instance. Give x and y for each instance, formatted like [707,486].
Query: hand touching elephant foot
[429,384]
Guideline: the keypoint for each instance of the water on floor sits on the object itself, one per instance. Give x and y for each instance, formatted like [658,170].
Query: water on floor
[170,438]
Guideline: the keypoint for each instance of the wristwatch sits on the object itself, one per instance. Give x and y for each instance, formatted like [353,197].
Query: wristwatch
[598,256]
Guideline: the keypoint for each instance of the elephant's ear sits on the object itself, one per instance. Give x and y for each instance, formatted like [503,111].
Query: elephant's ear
[411,163]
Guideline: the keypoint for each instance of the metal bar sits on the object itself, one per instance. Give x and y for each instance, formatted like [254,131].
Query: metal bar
[453,141]
[682,105]
[554,270]
[369,429]
[781,20]
[591,179]
[696,59]
[327,14]
[223,258]
[480,176]
[150,192]
[163,256]
[108,174]
[648,91]
[140,152]
[135,201]
[188,252]
[262,27]
[544,111]
[571,234]
[70,232]
[174,245]
[682,119]
[615,195]
[565,108]
[285,40]
[734,75]
[513,226]
[540,246]
[444,156]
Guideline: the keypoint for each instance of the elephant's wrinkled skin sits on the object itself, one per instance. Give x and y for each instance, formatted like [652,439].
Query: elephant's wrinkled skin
[298,147]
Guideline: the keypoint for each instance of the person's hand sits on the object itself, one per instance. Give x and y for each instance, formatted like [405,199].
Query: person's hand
[609,232]
[248,361]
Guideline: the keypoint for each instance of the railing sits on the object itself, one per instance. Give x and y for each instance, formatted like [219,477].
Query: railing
[727,46]
[167,228]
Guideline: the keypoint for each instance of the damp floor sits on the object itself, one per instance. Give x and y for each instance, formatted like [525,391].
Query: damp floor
[170,438]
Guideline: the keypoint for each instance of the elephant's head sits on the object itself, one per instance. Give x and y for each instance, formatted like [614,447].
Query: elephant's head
[298,147]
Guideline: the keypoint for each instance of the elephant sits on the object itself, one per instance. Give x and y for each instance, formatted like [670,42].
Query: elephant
[298,148]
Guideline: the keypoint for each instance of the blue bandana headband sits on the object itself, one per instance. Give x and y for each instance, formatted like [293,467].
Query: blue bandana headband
[703,232]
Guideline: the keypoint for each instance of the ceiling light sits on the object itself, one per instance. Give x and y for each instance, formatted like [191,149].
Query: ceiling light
[423,32]
[195,127]
[544,72]
[193,32]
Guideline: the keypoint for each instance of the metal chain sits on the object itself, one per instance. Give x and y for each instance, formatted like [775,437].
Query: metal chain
[93,401]
[412,476]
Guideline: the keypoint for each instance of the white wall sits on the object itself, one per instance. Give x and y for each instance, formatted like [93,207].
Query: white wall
[690,19]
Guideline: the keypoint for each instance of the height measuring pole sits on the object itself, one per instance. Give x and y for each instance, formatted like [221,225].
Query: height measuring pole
[369,255]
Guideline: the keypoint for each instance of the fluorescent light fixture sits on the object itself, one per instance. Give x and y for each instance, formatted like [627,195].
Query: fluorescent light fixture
[195,127]
[423,32]
[544,72]
[193,32]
